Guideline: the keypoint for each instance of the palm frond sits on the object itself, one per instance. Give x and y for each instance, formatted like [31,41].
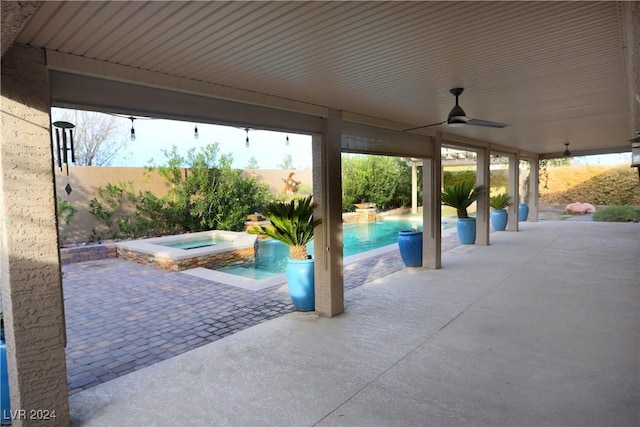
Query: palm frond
[292,223]
[500,201]
[460,196]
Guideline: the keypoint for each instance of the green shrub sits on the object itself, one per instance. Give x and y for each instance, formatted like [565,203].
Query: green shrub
[206,194]
[66,213]
[451,178]
[618,214]
[383,180]
[598,185]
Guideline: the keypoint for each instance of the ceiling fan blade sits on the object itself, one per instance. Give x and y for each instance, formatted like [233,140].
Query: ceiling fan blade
[486,123]
[425,126]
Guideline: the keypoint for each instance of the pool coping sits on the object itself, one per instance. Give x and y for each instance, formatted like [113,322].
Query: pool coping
[236,240]
[259,284]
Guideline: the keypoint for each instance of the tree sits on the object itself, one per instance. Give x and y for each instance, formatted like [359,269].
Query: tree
[211,195]
[287,162]
[253,163]
[207,195]
[385,181]
[98,138]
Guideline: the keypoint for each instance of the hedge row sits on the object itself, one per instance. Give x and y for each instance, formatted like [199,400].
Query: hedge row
[598,185]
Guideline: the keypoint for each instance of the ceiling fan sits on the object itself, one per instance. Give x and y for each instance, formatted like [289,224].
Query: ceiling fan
[458,118]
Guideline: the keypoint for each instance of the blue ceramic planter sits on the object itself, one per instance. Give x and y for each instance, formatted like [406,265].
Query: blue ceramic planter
[5,407]
[410,244]
[466,228]
[499,219]
[301,284]
[523,211]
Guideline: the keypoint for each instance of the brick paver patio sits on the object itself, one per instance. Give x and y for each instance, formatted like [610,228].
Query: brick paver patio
[123,316]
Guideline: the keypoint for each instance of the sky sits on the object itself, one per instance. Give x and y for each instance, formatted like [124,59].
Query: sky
[269,148]
[155,135]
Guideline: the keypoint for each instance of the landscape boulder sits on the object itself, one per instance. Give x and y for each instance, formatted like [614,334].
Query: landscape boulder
[580,208]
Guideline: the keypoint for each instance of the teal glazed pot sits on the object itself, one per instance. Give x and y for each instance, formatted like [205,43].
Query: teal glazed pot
[410,244]
[499,219]
[466,228]
[523,211]
[301,283]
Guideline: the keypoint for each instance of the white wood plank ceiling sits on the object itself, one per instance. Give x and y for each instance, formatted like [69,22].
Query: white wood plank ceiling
[555,71]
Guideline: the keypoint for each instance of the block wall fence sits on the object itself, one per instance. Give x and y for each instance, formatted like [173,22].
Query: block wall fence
[85,181]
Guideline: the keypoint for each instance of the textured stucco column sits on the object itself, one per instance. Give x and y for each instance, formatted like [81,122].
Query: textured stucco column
[483,160]
[514,187]
[431,207]
[327,193]
[534,189]
[29,257]
[414,187]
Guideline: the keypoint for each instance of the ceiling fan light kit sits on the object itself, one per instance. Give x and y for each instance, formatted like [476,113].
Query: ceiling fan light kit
[458,118]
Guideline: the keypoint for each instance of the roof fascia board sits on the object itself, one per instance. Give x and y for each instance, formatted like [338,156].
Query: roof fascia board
[365,139]
[610,150]
[94,68]
[110,96]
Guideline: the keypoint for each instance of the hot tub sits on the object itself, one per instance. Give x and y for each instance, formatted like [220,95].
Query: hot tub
[209,249]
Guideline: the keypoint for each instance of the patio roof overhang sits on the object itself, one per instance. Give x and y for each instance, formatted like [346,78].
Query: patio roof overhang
[353,74]
[555,71]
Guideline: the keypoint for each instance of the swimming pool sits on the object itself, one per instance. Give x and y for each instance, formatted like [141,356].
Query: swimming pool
[271,257]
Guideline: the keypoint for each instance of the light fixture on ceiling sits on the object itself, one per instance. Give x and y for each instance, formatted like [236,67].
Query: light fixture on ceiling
[246,144]
[457,117]
[195,132]
[566,153]
[133,131]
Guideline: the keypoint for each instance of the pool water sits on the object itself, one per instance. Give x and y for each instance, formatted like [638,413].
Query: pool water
[271,258]
[193,244]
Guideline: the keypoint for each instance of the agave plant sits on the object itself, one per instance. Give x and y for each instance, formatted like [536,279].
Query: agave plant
[292,223]
[500,201]
[460,196]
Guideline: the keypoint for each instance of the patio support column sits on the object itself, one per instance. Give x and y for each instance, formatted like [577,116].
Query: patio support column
[29,257]
[327,194]
[431,207]
[534,189]
[514,185]
[414,187]
[482,206]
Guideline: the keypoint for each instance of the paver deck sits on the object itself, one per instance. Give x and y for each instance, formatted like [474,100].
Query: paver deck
[541,328]
[122,316]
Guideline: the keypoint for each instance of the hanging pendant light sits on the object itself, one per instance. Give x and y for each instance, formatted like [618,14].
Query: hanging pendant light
[566,153]
[247,141]
[287,143]
[133,131]
[195,133]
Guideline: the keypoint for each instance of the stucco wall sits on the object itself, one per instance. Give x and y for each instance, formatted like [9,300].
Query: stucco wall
[85,181]
[29,258]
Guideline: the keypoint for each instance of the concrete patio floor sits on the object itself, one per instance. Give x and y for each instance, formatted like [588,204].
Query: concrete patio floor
[540,328]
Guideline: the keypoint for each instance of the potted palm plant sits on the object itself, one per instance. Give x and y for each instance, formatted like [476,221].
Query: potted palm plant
[292,223]
[499,215]
[460,196]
